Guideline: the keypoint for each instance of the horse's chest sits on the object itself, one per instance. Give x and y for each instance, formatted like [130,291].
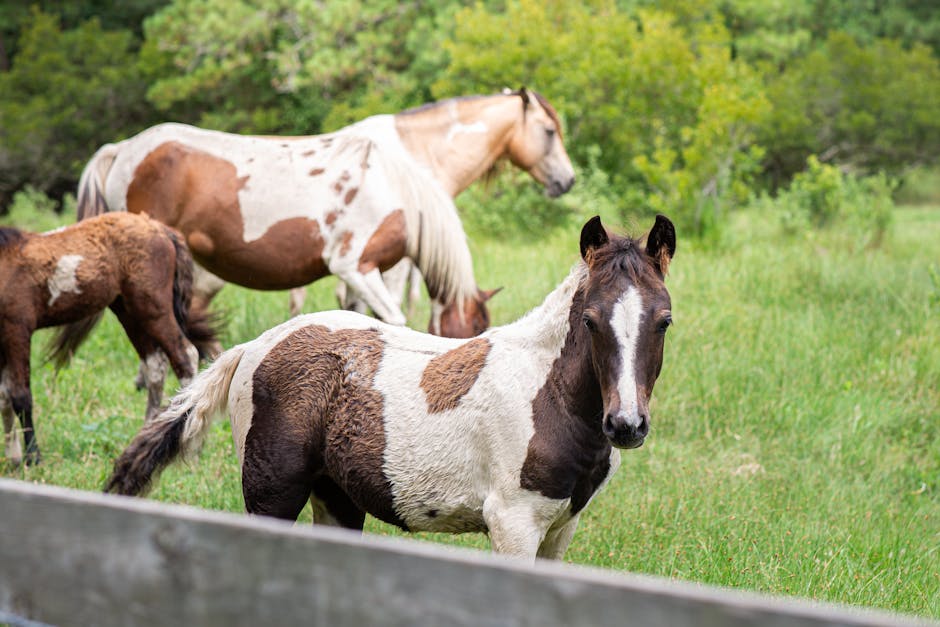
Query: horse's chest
[567,468]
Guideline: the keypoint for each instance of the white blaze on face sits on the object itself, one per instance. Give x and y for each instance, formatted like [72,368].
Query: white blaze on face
[63,279]
[626,324]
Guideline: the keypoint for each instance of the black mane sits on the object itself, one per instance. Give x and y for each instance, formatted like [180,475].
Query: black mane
[10,236]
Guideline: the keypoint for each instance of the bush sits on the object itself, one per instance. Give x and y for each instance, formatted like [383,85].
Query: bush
[822,196]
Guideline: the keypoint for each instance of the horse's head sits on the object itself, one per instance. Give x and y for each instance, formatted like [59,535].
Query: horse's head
[469,320]
[626,310]
[536,145]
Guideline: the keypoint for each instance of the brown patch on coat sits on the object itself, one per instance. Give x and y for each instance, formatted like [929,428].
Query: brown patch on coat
[351,194]
[346,243]
[317,413]
[387,244]
[197,193]
[308,153]
[316,172]
[332,216]
[447,378]
[338,187]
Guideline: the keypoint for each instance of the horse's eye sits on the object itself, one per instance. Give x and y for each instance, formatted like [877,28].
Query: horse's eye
[663,325]
[550,132]
[589,323]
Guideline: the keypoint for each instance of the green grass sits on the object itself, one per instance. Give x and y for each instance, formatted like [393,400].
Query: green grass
[796,426]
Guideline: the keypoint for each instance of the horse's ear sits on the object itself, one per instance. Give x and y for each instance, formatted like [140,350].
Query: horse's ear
[661,243]
[485,295]
[593,235]
[524,94]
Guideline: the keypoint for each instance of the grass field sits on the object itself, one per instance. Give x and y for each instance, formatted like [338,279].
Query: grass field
[795,446]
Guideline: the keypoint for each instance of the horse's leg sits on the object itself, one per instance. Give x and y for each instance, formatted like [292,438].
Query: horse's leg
[15,382]
[333,507]
[513,527]
[153,360]
[394,278]
[205,287]
[349,300]
[557,540]
[13,449]
[276,479]
[295,300]
[414,289]
[371,288]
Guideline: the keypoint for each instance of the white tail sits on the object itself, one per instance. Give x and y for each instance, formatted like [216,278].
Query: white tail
[91,201]
[179,430]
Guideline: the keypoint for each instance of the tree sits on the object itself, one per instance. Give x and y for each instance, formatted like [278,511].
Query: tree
[670,113]
[293,66]
[65,93]
[865,107]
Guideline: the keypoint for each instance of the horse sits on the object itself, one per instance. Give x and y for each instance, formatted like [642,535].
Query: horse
[459,141]
[512,432]
[280,212]
[138,267]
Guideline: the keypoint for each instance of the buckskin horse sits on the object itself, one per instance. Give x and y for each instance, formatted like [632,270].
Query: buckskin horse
[512,432]
[281,212]
[136,266]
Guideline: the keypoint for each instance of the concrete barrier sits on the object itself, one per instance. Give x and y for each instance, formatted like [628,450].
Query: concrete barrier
[79,558]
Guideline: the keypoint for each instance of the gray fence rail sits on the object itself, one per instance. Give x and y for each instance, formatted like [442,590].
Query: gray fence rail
[78,558]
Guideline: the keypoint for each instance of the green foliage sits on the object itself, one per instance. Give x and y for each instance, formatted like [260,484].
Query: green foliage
[673,114]
[292,67]
[865,107]
[512,206]
[34,211]
[822,196]
[65,92]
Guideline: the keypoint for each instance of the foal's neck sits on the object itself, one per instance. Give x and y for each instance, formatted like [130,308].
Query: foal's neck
[460,139]
[555,328]
[547,325]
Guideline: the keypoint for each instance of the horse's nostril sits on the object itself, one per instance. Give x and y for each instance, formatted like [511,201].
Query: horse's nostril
[644,427]
[608,426]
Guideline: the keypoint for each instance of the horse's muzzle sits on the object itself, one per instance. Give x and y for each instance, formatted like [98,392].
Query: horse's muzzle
[624,435]
[556,188]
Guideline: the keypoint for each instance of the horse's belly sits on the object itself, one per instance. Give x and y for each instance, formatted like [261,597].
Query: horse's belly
[289,254]
[438,500]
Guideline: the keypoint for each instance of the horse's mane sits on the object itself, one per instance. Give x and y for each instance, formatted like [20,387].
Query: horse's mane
[435,239]
[10,236]
[430,106]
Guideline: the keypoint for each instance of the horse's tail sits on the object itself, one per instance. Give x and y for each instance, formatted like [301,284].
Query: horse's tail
[91,201]
[68,338]
[177,432]
[197,324]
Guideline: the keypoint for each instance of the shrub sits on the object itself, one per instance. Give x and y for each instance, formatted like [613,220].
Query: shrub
[823,196]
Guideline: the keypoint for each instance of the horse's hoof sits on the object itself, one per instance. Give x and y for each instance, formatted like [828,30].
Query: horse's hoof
[33,458]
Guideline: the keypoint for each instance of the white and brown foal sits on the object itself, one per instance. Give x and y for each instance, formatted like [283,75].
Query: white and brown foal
[511,433]
[67,277]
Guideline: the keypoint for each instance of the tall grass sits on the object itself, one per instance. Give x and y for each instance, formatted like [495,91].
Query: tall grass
[795,446]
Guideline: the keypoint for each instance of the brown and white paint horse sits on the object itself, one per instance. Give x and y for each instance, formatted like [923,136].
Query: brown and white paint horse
[136,266]
[512,432]
[459,141]
[281,212]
